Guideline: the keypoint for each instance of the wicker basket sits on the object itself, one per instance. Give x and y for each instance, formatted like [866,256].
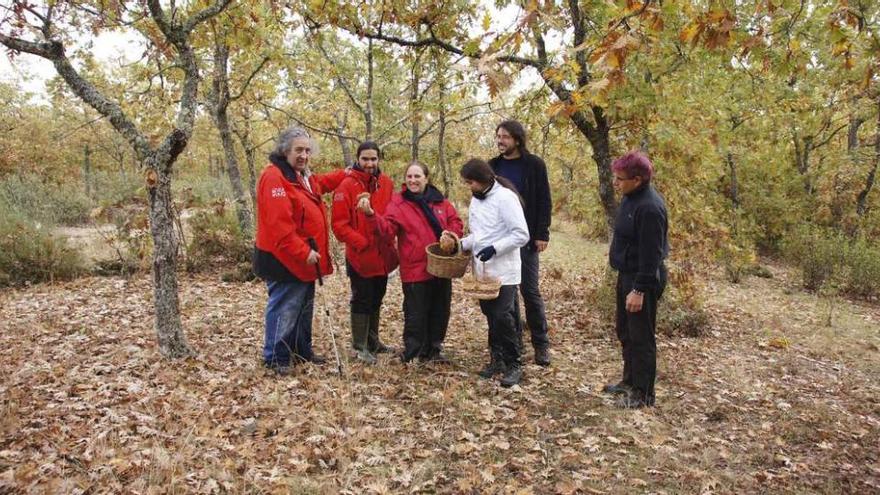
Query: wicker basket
[480,286]
[445,265]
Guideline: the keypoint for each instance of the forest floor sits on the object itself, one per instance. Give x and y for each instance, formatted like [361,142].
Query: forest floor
[769,400]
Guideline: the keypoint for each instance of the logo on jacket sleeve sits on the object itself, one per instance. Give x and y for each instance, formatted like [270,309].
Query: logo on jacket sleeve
[279,192]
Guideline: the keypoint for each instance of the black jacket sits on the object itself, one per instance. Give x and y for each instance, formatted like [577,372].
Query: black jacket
[535,195]
[640,244]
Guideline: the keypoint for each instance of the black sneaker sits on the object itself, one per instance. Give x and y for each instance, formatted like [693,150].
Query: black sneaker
[495,367]
[542,356]
[512,376]
[616,388]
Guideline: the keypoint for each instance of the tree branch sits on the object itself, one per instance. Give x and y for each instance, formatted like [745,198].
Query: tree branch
[299,121]
[250,78]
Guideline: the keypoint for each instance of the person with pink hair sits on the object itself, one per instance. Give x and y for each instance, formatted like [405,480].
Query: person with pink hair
[638,248]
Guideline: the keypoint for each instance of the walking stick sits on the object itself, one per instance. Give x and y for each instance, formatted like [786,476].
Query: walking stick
[323,308]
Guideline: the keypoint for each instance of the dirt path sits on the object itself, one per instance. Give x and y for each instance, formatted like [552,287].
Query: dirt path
[769,401]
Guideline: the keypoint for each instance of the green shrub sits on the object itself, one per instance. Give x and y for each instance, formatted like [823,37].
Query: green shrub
[216,240]
[818,254]
[44,202]
[681,311]
[29,253]
[863,270]
[827,258]
[113,188]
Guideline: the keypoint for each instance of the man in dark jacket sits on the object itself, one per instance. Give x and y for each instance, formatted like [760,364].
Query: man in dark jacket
[638,248]
[529,174]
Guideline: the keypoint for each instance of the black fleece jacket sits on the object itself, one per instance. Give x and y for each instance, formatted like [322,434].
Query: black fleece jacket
[535,195]
[640,244]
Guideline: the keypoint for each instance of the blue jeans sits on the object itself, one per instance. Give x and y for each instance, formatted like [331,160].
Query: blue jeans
[288,322]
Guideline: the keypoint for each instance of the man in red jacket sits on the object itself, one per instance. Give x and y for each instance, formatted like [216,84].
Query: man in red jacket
[291,247]
[368,258]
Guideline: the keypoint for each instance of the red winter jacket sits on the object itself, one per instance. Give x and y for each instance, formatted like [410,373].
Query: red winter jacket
[406,220]
[288,215]
[369,254]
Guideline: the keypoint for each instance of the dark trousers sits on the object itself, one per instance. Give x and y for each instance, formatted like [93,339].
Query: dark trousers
[531,293]
[636,332]
[425,317]
[505,332]
[366,292]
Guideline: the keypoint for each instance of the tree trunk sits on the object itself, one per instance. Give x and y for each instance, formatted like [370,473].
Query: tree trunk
[734,184]
[802,148]
[598,137]
[368,109]
[172,341]
[414,110]
[852,135]
[441,151]
[220,99]
[341,122]
[862,199]
[87,170]
[249,154]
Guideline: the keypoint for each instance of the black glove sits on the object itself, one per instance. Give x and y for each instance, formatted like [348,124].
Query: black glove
[486,253]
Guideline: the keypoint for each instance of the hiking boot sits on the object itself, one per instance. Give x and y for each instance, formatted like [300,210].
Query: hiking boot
[495,367]
[317,359]
[381,348]
[436,358]
[632,400]
[512,376]
[542,356]
[280,369]
[616,388]
[366,356]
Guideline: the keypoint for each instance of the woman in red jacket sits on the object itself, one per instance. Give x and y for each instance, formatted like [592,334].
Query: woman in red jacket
[418,216]
[368,258]
[291,247]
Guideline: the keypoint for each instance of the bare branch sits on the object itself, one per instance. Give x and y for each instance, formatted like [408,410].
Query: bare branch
[250,78]
[326,132]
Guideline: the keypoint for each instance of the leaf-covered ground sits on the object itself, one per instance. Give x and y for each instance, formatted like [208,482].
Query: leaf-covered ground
[771,400]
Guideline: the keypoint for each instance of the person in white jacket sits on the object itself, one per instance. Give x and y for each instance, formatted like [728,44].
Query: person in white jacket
[498,231]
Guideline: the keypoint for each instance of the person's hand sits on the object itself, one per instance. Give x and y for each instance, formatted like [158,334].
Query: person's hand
[540,246]
[313,257]
[486,253]
[634,301]
[447,242]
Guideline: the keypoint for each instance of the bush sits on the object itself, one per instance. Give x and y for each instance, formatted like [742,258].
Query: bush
[113,188]
[828,258]
[680,312]
[863,270]
[217,240]
[30,197]
[818,254]
[29,253]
